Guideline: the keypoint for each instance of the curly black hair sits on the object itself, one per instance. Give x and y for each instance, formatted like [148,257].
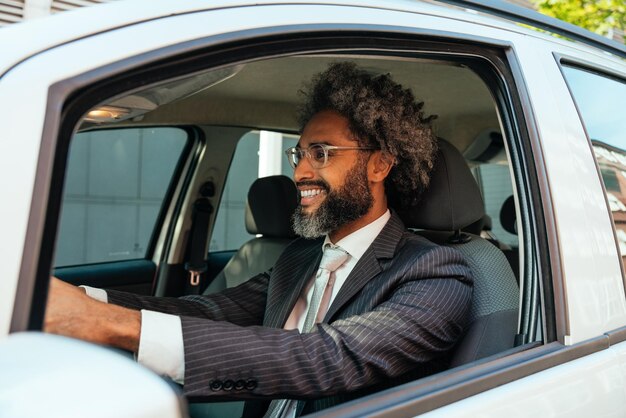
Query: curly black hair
[381,114]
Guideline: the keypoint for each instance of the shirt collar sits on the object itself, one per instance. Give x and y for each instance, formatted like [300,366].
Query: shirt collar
[359,241]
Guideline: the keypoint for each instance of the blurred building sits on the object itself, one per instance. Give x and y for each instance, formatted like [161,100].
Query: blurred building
[612,163]
[13,11]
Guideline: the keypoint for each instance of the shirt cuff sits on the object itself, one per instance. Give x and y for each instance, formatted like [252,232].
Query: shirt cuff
[97,294]
[161,345]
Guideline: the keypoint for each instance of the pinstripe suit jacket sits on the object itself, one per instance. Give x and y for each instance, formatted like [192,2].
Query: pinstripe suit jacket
[400,311]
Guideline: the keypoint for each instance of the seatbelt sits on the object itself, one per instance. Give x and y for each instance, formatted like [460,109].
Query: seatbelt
[196,264]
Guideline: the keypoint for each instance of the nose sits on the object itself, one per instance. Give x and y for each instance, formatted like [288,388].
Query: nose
[304,170]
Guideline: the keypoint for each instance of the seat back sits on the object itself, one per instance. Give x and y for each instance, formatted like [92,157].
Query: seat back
[451,203]
[508,219]
[269,208]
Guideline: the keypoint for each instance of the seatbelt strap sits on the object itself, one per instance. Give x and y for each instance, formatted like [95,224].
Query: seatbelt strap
[196,264]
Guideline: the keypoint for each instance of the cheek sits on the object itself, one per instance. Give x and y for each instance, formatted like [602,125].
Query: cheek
[335,181]
[338,174]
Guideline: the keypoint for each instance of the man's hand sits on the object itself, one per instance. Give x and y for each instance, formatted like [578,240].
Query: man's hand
[72,313]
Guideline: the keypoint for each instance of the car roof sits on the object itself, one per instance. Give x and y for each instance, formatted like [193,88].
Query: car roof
[38,35]
[248,97]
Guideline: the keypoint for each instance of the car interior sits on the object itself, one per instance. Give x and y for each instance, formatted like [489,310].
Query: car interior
[194,165]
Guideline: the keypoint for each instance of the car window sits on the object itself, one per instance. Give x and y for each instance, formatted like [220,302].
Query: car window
[258,154]
[494,180]
[600,101]
[116,181]
[436,81]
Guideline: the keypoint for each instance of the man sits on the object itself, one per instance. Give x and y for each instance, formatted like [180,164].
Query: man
[357,305]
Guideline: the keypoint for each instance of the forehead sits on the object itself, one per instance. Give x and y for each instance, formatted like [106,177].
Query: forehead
[327,127]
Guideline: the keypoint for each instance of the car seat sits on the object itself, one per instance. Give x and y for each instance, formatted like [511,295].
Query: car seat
[452,202]
[269,207]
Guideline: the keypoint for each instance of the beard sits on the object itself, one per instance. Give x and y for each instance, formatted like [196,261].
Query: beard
[340,207]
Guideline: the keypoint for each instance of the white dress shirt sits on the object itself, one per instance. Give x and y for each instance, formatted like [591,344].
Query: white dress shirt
[161,346]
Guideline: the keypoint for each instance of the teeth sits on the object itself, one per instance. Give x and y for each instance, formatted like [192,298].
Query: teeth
[310,193]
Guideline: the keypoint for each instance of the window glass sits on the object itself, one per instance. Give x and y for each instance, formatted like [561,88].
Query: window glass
[115,185]
[496,187]
[258,154]
[600,101]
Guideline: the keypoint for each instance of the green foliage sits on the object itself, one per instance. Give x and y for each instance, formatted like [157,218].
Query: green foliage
[599,16]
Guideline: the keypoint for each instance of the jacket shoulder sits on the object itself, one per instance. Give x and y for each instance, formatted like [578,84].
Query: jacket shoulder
[415,250]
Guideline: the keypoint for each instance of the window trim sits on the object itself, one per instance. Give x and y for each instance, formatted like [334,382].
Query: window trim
[72,92]
[541,264]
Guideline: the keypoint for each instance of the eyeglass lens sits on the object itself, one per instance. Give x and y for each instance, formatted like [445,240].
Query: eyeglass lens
[317,154]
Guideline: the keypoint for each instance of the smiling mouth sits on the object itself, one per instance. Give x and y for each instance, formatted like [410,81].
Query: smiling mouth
[311,196]
[310,193]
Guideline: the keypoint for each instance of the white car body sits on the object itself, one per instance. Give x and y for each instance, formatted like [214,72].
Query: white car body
[581,374]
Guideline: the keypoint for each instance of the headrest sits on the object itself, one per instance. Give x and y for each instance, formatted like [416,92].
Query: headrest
[452,201]
[508,216]
[483,224]
[271,202]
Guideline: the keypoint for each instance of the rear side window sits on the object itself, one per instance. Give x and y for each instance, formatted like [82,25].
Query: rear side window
[600,101]
[115,185]
[258,154]
[494,180]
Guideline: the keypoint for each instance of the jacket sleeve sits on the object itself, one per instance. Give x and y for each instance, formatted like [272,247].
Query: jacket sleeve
[243,305]
[419,317]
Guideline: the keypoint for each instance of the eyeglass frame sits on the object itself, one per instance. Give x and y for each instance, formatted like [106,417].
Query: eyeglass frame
[306,152]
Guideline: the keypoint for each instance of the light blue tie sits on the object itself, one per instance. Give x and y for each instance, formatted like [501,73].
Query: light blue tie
[333,258]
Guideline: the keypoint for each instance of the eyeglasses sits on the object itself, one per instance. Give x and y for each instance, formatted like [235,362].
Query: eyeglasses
[317,154]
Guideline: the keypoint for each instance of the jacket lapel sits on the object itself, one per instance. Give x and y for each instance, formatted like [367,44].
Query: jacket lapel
[383,247]
[289,282]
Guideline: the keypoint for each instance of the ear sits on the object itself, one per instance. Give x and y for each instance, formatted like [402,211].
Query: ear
[379,166]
